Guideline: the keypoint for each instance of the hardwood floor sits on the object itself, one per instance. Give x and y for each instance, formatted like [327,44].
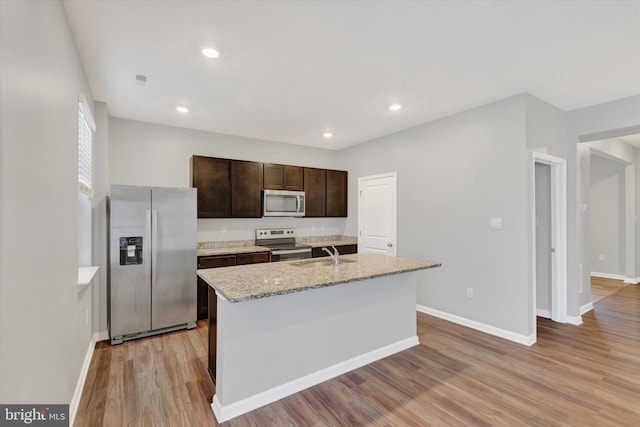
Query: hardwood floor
[602,288]
[586,375]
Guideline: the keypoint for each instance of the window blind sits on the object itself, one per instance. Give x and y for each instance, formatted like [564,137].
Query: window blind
[86,127]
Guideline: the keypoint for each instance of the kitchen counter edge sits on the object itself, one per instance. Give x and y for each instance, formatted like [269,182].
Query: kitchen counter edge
[250,282]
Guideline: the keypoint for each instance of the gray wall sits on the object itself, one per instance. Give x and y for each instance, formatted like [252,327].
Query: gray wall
[149,154]
[607,216]
[44,332]
[455,174]
[588,124]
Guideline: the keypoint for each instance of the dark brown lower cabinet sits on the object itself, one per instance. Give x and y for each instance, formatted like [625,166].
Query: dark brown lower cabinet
[342,249]
[217,261]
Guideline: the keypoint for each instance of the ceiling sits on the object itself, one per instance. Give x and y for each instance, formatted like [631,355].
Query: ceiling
[633,140]
[290,70]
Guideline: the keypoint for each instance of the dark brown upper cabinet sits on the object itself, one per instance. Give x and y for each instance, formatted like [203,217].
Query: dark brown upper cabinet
[246,189]
[283,177]
[212,177]
[315,190]
[233,188]
[227,188]
[336,193]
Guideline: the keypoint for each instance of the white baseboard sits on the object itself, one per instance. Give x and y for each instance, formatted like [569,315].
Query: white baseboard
[77,394]
[508,335]
[574,320]
[608,275]
[632,281]
[227,412]
[543,313]
[586,308]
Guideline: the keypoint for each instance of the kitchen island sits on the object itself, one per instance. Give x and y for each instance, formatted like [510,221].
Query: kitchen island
[278,328]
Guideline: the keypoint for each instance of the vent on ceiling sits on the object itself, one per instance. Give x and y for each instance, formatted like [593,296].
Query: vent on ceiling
[142,80]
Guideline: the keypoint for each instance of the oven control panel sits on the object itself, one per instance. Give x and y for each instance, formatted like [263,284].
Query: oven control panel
[275,233]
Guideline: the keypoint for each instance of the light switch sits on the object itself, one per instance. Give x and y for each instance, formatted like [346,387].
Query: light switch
[496,223]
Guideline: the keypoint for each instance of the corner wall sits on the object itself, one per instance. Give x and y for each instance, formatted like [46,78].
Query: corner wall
[45,318]
[454,175]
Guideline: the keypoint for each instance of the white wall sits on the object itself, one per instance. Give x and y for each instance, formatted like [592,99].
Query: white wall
[454,175]
[44,331]
[149,154]
[607,216]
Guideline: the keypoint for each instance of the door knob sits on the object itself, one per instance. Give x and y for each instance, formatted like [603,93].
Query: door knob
[390,244]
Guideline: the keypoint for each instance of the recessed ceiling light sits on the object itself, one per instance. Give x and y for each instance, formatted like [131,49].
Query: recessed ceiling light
[210,53]
[327,134]
[395,107]
[182,109]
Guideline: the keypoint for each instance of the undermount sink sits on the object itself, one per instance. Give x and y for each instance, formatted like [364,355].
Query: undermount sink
[320,263]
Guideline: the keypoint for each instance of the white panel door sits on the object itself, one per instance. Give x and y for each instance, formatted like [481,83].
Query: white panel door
[377,214]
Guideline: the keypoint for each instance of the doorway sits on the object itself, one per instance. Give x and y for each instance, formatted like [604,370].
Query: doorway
[377,214]
[549,237]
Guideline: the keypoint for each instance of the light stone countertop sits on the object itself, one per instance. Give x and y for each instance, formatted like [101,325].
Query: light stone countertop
[231,250]
[247,282]
[339,240]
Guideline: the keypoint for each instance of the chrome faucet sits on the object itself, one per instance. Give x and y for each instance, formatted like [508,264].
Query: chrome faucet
[335,255]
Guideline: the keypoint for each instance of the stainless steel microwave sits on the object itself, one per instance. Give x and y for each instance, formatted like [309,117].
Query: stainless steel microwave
[283,203]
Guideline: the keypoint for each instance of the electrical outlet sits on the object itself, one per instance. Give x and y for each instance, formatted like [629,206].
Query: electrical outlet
[223,230]
[469,292]
[601,257]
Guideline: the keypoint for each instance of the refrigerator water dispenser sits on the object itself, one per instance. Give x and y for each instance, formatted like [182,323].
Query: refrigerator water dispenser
[130,250]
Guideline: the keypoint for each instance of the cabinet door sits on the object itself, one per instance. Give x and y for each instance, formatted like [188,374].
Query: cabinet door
[293,178]
[252,258]
[246,189]
[315,184]
[212,178]
[273,176]
[336,193]
[283,177]
[203,299]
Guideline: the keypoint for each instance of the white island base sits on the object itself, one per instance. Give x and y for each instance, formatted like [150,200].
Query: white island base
[272,347]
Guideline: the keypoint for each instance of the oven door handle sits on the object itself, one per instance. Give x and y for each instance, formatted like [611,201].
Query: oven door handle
[292,251]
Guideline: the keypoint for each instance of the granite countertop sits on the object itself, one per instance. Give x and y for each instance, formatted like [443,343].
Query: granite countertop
[327,241]
[230,247]
[231,250]
[247,282]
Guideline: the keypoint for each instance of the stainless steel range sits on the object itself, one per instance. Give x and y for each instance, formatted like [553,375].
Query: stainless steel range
[282,243]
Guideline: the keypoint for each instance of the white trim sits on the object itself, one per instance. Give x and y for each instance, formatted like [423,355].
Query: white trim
[608,275]
[543,313]
[586,308]
[574,320]
[632,281]
[86,275]
[492,330]
[559,291]
[77,394]
[227,412]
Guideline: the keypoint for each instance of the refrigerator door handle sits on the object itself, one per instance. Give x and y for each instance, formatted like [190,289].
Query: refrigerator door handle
[147,247]
[154,247]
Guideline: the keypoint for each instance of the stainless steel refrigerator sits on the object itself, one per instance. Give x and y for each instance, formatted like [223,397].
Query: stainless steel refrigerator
[152,276]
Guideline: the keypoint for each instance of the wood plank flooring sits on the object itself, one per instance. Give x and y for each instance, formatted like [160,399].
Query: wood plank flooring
[586,375]
[602,288]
